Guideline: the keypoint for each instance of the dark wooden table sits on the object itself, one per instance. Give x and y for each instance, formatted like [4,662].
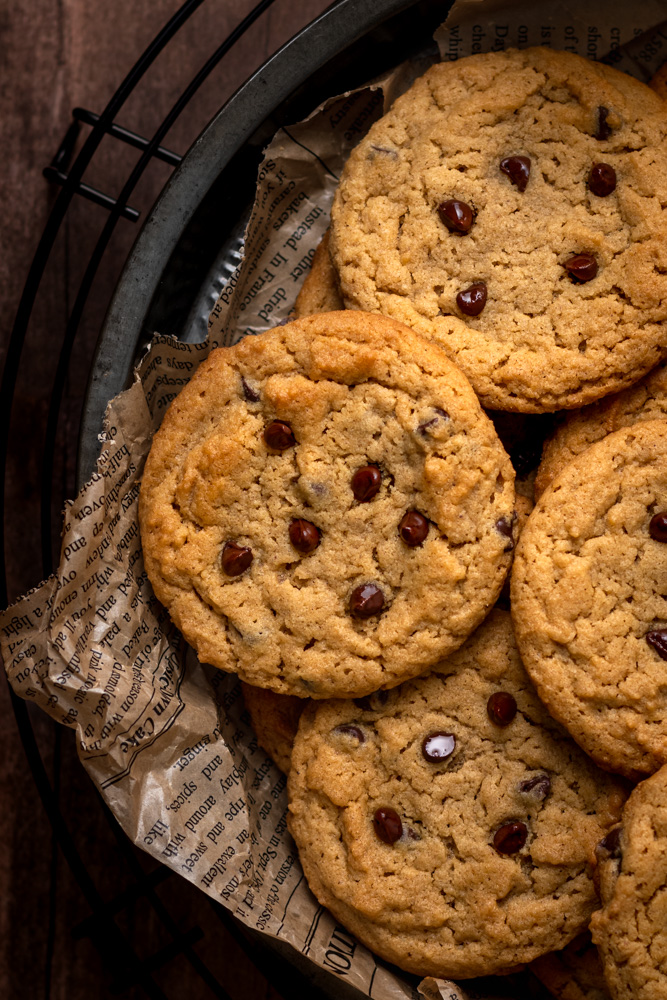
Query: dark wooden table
[58,56]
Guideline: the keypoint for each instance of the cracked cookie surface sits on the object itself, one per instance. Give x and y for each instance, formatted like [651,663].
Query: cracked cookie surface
[274,502]
[575,282]
[448,889]
[647,400]
[631,928]
[589,598]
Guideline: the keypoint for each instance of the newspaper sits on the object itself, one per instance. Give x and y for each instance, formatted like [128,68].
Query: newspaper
[165,739]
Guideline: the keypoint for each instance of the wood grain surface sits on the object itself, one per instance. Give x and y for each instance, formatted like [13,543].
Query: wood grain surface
[56,56]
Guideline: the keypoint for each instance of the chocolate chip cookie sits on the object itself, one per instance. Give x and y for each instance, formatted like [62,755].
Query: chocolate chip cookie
[589,598]
[275,719]
[320,291]
[510,206]
[575,973]
[647,400]
[631,928]
[325,509]
[658,82]
[450,823]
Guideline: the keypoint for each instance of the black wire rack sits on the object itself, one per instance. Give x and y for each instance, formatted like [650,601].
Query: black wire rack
[129,970]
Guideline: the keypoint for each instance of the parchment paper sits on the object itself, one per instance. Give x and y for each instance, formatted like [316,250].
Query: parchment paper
[165,739]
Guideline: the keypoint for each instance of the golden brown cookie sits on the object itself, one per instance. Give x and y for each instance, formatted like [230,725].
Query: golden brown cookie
[320,291]
[275,719]
[631,928]
[658,82]
[325,508]
[510,207]
[589,598]
[575,973]
[450,823]
[647,400]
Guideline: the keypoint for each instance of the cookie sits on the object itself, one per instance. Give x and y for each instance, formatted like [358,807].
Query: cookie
[658,82]
[450,823]
[647,400]
[508,206]
[631,928]
[589,598]
[575,973]
[275,720]
[325,509]
[320,291]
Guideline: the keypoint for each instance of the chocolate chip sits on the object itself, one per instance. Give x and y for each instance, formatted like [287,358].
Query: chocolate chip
[505,527]
[456,215]
[235,558]
[366,601]
[424,428]
[582,267]
[351,730]
[603,128]
[372,702]
[602,179]
[413,528]
[658,527]
[366,482]
[472,300]
[657,640]
[517,169]
[303,535]
[510,838]
[501,708]
[537,787]
[437,747]
[279,435]
[610,846]
[250,394]
[388,152]
[387,825]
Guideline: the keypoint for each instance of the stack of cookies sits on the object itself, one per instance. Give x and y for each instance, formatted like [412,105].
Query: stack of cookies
[328,511]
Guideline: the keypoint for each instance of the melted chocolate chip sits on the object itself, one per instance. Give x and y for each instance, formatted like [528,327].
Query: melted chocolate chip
[517,169]
[472,300]
[279,435]
[603,128]
[303,535]
[657,529]
[610,846]
[388,152]
[372,702]
[366,601]
[437,747]
[537,787]
[501,708]
[505,527]
[456,215]
[366,483]
[602,179]
[657,640]
[351,730]
[413,528]
[249,393]
[424,428]
[510,838]
[582,267]
[387,825]
[235,558]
